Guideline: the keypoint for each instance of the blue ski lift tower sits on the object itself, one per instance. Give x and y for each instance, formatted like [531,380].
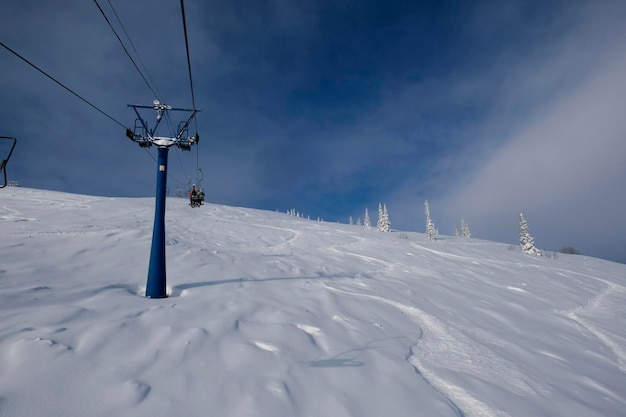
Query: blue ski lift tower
[145,138]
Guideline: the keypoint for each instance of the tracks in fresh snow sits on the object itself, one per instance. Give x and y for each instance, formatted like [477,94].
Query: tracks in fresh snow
[10,215]
[597,304]
[441,349]
[272,239]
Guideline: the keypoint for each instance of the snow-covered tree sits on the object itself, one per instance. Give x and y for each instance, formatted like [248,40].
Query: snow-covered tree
[431,231]
[465,231]
[526,241]
[386,222]
[350,221]
[456,231]
[366,222]
[295,213]
[383,224]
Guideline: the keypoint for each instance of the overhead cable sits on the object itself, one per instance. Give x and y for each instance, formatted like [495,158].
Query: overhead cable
[193,98]
[182,7]
[132,45]
[61,84]
[126,50]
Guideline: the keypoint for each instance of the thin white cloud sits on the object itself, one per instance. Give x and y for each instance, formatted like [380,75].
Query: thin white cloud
[569,150]
[578,144]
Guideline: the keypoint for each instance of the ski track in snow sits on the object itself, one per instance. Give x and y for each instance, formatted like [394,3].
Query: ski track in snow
[370,259]
[10,215]
[473,260]
[292,235]
[597,304]
[443,347]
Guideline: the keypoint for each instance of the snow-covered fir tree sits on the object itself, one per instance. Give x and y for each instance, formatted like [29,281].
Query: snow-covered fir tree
[295,213]
[456,231]
[526,241]
[350,221]
[465,231]
[383,224]
[366,222]
[386,222]
[431,231]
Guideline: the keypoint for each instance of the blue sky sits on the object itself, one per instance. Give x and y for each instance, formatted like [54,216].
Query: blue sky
[485,109]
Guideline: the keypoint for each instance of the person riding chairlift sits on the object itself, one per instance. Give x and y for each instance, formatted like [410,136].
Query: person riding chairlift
[192,195]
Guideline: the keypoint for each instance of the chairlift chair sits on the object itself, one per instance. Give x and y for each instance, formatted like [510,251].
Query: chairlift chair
[3,164]
[197,199]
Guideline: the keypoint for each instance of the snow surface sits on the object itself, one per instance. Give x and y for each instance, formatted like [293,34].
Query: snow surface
[272,315]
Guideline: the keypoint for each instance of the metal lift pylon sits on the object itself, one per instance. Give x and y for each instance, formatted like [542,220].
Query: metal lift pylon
[156,286]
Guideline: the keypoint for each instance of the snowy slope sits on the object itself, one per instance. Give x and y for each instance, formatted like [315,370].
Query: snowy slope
[271,315]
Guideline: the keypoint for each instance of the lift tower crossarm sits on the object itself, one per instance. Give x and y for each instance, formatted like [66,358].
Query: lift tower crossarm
[147,137]
[162,107]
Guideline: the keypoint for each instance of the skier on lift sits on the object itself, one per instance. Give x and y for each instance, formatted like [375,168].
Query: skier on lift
[192,196]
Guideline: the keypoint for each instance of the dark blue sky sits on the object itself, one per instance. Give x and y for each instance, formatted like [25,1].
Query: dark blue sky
[485,109]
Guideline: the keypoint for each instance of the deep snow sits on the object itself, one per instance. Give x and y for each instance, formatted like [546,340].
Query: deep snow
[272,315]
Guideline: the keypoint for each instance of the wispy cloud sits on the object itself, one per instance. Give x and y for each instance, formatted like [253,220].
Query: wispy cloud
[564,151]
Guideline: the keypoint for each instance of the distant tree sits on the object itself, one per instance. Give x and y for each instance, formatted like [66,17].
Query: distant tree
[431,230]
[527,244]
[295,213]
[569,250]
[350,221]
[366,222]
[465,231]
[456,231]
[383,224]
[386,222]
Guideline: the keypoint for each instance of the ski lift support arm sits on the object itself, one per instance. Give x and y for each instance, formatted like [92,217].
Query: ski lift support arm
[186,126]
[3,164]
[149,137]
